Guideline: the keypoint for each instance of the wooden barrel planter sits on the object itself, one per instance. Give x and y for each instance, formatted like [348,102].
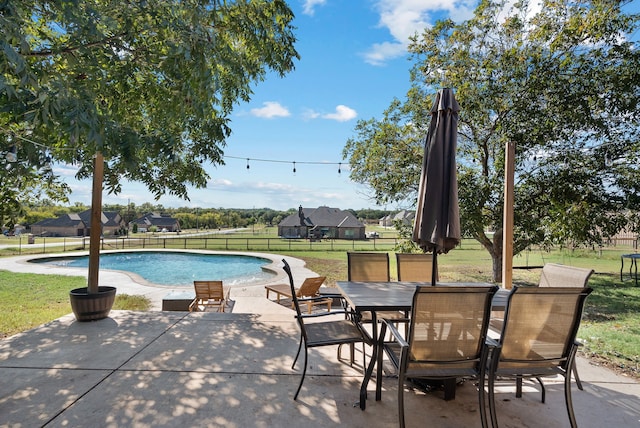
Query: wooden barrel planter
[91,307]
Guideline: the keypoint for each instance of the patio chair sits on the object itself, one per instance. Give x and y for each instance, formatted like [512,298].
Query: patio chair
[209,294]
[556,275]
[447,332]
[538,339]
[324,333]
[415,267]
[371,267]
[368,267]
[309,288]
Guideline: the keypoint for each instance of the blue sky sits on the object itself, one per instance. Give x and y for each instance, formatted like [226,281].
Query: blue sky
[353,63]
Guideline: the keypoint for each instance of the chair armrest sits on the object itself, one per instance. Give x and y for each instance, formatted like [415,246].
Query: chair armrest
[323,314]
[389,323]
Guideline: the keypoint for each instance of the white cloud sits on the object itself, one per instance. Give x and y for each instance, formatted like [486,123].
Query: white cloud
[404,18]
[309,5]
[220,182]
[309,114]
[382,52]
[342,114]
[270,110]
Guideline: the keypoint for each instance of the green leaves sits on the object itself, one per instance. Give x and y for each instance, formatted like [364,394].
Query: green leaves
[564,85]
[150,84]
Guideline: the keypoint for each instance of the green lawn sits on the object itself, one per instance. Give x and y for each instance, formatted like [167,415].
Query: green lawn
[29,300]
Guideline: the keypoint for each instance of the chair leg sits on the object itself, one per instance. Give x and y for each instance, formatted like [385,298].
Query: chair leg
[544,391]
[304,372]
[575,374]
[492,401]
[481,403]
[400,399]
[298,353]
[518,386]
[567,399]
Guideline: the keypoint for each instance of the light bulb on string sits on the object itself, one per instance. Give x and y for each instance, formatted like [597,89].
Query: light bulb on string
[294,167]
[339,167]
[248,164]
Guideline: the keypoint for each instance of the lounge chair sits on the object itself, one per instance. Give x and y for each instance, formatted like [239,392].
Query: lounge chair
[339,331]
[538,339]
[309,288]
[209,294]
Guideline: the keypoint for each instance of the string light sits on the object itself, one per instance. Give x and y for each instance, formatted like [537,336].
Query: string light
[12,154]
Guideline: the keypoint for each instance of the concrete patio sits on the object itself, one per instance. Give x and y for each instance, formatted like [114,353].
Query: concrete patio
[168,369]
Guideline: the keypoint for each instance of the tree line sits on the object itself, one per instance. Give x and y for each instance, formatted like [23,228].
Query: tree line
[189,217]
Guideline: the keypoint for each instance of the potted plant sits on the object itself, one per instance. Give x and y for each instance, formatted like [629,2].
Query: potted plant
[94,302]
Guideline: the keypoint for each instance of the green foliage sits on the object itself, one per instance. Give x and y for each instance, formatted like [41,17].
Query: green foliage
[149,84]
[405,238]
[563,85]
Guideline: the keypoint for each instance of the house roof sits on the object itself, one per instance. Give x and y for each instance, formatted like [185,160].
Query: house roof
[155,219]
[108,218]
[322,217]
[67,220]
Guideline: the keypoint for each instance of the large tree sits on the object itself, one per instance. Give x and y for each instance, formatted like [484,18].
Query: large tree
[563,84]
[148,84]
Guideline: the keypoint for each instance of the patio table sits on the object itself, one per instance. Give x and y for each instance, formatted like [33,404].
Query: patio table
[395,296]
[634,263]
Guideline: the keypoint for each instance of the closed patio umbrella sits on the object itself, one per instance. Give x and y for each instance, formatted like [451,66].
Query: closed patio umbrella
[437,223]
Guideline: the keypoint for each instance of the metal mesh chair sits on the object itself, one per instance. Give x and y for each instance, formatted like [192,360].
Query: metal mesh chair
[556,275]
[537,339]
[447,333]
[370,267]
[414,267]
[325,333]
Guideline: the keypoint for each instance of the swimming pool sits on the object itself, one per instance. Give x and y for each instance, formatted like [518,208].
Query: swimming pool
[177,268]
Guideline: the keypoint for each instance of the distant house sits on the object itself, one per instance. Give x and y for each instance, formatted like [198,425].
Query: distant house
[160,221]
[321,222]
[405,216]
[78,224]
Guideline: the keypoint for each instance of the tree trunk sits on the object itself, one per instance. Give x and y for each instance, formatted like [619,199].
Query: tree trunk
[96,224]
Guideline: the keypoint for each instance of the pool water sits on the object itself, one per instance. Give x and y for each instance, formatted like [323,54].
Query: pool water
[178,269]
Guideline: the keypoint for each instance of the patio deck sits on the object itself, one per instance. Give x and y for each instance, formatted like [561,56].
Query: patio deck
[168,369]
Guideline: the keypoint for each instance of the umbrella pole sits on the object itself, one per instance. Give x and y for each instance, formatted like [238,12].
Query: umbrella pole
[434,268]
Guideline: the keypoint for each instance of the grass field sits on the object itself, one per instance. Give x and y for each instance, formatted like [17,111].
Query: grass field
[610,327]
